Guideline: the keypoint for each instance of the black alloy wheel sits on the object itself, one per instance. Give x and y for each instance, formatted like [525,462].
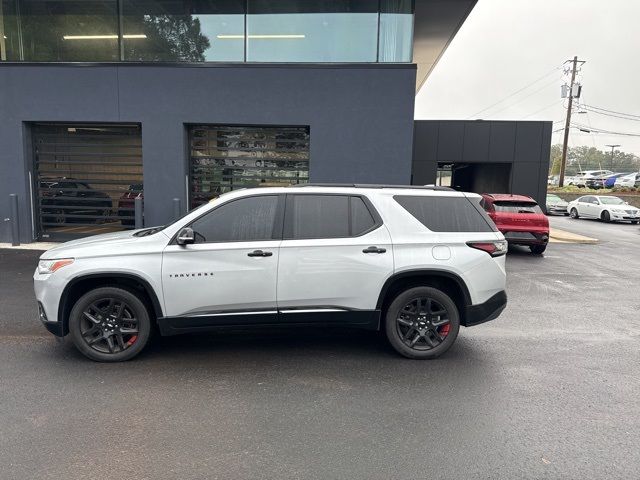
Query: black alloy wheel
[109,324]
[605,217]
[422,323]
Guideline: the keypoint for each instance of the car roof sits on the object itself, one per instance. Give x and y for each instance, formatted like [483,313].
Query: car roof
[353,189]
[508,197]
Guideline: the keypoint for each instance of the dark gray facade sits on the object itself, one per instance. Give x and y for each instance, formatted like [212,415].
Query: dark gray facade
[485,156]
[360,118]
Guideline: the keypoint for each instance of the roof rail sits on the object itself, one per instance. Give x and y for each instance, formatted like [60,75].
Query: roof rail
[373,185]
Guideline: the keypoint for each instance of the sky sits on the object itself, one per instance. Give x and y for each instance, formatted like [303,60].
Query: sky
[510,53]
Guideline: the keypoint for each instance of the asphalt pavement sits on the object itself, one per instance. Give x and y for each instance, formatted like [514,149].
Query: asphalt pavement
[551,389]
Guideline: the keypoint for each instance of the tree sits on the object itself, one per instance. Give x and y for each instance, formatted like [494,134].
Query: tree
[590,158]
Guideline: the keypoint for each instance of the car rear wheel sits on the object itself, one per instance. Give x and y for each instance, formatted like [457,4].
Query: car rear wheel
[574,213]
[109,324]
[422,323]
[538,249]
[605,216]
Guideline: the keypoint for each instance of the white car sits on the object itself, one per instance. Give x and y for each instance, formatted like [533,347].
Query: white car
[631,180]
[416,262]
[579,179]
[605,207]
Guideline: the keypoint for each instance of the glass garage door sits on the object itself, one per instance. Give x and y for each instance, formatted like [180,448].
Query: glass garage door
[224,158]
[86,178]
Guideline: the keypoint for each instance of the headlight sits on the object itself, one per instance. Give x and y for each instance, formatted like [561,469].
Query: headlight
[50,266]
[617,210]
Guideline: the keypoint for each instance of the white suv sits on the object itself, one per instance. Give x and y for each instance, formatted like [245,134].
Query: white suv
[416,262]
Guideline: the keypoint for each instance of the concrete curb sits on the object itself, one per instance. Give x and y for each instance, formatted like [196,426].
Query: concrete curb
[562,236]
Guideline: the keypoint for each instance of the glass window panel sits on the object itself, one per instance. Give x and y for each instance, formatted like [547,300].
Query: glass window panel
[243,220]
[9,40]
[361,219]
[317,216]
[67,30]
[396,31]
[446,214]
[184,31]
[323,31]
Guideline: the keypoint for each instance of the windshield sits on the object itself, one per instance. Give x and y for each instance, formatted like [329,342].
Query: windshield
[517,207]
[611,201]
[553,198]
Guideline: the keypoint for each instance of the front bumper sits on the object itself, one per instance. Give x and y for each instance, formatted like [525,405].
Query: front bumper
[557,210]
[484,312]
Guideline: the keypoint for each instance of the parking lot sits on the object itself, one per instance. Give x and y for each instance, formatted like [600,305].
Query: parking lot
[548,390]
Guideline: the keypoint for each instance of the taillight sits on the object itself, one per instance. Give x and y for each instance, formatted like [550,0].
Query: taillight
[493,248]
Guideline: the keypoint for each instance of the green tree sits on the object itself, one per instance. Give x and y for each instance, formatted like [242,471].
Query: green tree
[590,158]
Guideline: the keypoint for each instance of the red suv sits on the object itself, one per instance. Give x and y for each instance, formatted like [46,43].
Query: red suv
[519,218]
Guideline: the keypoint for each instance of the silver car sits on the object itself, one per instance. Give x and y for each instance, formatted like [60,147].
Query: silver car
[556,205]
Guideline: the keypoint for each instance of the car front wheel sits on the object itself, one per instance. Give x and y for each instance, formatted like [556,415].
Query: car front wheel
[109,324]
[605,217]
[574,213]
[422,323]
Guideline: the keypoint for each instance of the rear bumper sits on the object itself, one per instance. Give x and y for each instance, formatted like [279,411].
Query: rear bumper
[527,238]
[483,312]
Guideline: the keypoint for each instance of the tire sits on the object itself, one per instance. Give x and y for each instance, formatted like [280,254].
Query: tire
[605,216]
[538,249]
[109,312]
[434,340]
[574,213]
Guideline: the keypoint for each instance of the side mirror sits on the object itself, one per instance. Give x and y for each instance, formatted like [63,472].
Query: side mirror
[186,237]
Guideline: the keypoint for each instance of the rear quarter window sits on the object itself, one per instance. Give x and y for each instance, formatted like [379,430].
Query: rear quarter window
[447,214]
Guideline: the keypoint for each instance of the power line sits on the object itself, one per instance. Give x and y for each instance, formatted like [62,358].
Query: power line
[587,129]
[523,98]
[555,102]
[611,111]
[515,93]
[589,109]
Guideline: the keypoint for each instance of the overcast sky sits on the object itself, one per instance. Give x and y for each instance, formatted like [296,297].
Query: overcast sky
[507,45]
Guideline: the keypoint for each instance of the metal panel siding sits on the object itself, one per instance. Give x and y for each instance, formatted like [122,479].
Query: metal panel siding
[360,117]
[528,141]
[476,142]
[523,146]
[502,142]
[450,141]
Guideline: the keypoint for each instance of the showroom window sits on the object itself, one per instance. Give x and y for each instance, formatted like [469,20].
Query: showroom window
[227,157]
[321,31]
[243,220]
[179,31]
[206,30]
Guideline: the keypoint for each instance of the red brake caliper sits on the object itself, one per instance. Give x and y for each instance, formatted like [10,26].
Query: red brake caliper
[444,330]
[133,339]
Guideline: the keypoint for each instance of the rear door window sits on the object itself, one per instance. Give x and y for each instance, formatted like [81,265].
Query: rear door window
[447,214]
[327,216]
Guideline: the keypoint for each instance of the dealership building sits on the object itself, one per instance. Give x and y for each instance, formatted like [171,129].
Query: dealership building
[103,101]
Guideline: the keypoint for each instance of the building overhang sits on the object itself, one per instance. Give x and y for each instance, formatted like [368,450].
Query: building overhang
[436,22]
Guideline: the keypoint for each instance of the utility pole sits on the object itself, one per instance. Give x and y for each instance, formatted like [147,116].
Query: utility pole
[612,147]
[563,163]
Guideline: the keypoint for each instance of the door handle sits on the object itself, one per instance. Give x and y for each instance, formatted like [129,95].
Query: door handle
[259,253]
[374,249]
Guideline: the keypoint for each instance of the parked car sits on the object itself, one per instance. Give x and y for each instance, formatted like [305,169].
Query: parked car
[579,179]
[519,218]
[605,207]
[603,181]
[68,200]
[126,204]
[553,180]
[415,262]
[630,180]
[556,205]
